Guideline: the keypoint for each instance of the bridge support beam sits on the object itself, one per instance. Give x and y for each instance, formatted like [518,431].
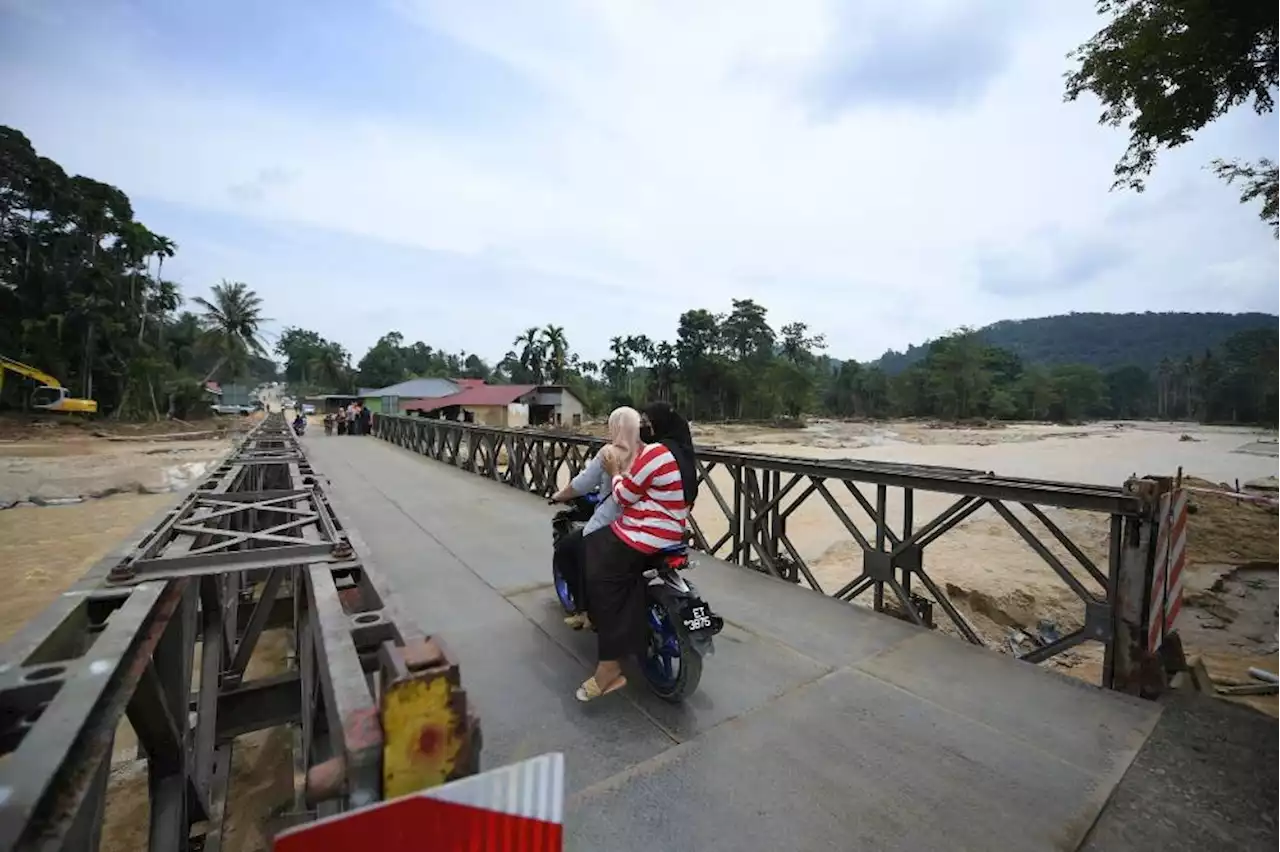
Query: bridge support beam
[259,547]
[766,490]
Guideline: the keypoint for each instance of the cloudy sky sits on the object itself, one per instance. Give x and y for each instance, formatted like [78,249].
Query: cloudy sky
[459,170]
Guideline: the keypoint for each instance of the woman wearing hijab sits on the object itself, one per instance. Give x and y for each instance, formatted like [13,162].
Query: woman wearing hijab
[570,554]
[662,423]
[652,495]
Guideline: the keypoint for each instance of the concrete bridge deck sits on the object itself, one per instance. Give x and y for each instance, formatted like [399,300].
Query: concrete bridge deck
[817,725]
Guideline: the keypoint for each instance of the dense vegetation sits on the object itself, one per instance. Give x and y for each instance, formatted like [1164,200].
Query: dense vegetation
[1167,68]
[1105,341]
[83,297]
[735,365]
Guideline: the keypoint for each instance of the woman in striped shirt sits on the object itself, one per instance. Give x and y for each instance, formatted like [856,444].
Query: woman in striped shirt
[651,494]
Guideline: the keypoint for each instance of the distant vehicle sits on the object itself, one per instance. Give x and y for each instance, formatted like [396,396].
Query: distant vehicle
[308,408]
[243,410]
[51,395]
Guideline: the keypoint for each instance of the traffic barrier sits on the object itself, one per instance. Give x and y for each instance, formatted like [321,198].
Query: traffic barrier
[1165,600]
[517,808]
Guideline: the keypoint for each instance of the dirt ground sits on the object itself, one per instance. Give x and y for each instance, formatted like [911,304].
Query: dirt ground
[60,462]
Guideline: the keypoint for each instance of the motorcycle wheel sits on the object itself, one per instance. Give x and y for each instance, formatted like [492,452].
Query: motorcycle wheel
[671,665]
[562,592]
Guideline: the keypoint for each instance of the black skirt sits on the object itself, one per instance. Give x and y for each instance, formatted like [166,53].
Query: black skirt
[615,594]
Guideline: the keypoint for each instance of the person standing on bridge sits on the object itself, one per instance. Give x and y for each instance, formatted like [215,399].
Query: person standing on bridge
[654,499]
[570,553]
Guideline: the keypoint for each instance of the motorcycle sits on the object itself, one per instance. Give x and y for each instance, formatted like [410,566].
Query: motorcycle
[681,624]
[299,427]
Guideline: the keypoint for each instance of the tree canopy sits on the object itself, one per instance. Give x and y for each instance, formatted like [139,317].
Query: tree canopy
[1167,68]
[83,297]
[735,365]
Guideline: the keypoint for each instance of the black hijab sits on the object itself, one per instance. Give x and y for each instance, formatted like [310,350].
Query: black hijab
[672,430]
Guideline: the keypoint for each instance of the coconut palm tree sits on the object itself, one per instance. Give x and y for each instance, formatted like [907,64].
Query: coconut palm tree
[556,346]
[231,322]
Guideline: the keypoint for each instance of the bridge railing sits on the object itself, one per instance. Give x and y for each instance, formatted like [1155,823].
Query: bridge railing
[749,503]
[170,633]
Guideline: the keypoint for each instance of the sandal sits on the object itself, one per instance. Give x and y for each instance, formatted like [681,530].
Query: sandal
[577,621]
[590,690]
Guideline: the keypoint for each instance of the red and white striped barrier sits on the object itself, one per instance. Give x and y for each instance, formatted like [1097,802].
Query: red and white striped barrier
[1170,559]
[517,808]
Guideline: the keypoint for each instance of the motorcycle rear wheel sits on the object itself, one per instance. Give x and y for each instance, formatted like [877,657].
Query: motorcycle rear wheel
[671,685]
[562,592]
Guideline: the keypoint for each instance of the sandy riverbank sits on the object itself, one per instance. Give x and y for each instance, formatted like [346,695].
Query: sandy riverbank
[1003,587]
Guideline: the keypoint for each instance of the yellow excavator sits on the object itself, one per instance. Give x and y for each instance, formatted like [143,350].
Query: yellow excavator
[51,395]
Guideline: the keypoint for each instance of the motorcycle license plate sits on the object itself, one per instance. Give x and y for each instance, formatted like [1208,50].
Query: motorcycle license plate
[697,615]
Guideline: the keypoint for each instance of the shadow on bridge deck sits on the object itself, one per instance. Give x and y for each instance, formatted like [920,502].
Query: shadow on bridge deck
[817,725]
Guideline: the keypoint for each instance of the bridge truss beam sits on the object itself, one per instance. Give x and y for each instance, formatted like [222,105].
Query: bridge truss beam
[757,494]
[164,633]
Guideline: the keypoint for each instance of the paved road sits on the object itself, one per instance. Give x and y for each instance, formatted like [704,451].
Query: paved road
[818,726]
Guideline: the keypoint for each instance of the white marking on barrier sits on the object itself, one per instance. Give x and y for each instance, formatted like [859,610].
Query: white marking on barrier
[1177,561]
[1165,600]
[1155,598]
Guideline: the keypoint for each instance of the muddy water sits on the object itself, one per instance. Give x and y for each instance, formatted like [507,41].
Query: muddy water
[44,550]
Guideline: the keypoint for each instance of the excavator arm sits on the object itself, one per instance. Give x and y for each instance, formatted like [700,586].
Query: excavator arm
[30,372]
[51,395]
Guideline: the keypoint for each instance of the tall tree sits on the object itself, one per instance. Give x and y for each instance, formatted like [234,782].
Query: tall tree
[532,354]
[232,320]
[556,347]
[1167,68]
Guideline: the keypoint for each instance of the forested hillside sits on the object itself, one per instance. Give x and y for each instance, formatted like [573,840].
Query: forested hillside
[1104,341]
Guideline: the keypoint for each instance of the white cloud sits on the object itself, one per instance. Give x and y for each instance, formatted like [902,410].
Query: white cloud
[676,156]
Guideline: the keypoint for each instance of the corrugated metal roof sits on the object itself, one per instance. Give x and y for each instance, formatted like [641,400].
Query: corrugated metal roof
[415,389]
[482,395]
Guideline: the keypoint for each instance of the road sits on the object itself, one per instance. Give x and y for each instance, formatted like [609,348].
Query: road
[818,726]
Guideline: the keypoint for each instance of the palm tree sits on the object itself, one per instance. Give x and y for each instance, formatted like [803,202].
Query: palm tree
[230,322]
[532,353]
[557,347]
[1165,375]
[662,375]
[331,364]
[161,247]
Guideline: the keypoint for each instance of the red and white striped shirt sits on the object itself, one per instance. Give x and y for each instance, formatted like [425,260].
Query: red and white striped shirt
[651,496]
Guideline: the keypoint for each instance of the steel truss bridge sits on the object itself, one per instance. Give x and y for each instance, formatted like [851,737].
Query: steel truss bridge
[162,632]
[167,632]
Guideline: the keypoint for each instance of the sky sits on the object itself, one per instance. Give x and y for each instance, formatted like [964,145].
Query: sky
[459,171]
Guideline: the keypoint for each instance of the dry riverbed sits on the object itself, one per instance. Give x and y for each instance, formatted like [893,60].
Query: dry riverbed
[1002,587]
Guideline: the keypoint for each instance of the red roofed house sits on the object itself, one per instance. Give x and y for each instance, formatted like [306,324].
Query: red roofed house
[511,406]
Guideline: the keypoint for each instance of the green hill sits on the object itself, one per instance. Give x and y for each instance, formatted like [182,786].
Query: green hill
[1102,340]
